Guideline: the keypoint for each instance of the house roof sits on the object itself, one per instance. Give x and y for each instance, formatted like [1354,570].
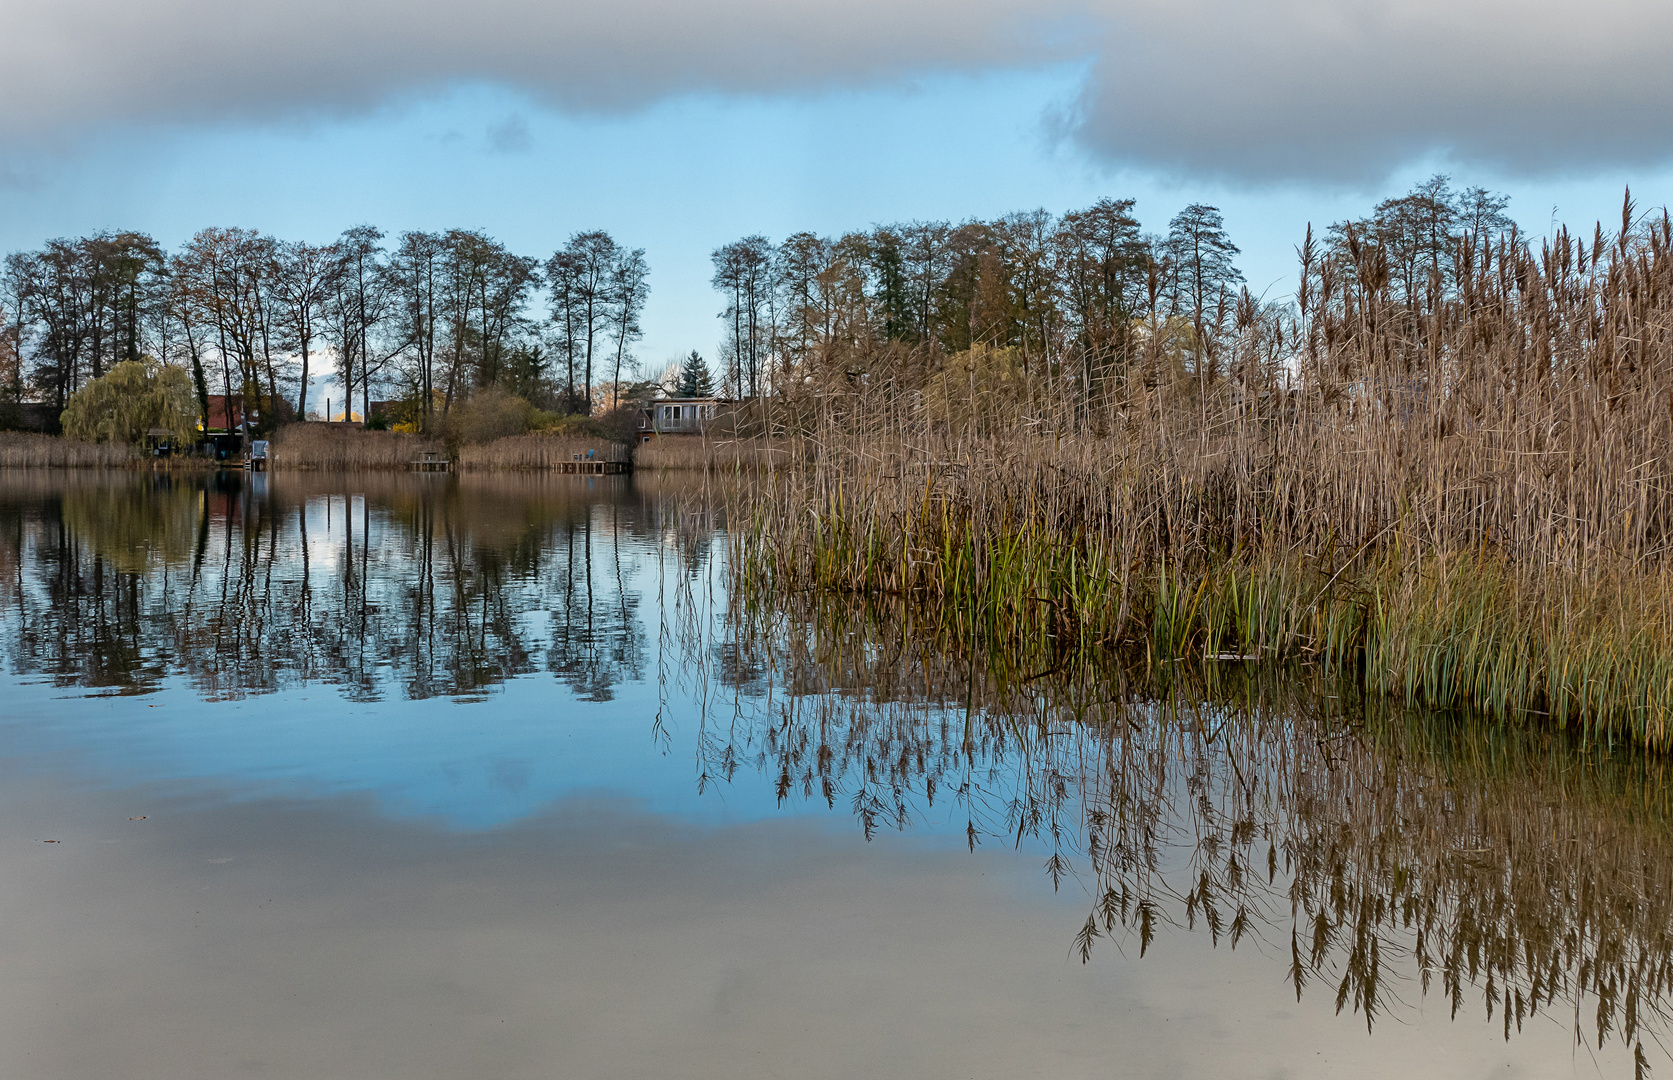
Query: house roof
[225,412]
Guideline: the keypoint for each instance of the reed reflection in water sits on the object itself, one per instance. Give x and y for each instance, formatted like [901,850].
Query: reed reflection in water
[1375,860]
[1386,855]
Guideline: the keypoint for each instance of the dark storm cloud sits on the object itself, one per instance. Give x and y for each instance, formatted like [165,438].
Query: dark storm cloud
[76,61]
[510,136]
[1277,90]
[1347,90]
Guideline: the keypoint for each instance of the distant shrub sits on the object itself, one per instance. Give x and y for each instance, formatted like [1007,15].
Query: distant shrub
[568,425]
[406,415]
[487,415]
[618,425]
[621,424]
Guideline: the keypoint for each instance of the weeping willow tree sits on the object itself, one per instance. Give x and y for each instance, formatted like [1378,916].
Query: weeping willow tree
[135,397]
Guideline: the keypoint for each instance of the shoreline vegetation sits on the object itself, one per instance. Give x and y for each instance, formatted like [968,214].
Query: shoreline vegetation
[328,448]
[1459,494]
[1442,469]
[27,450]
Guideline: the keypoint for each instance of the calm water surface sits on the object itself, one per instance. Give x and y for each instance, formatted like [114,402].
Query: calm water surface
[372,776]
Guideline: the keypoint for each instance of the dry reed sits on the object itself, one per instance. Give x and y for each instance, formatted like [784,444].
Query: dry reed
[331,448]
[712,455]
[19,450]
[1470,500]
[539,452]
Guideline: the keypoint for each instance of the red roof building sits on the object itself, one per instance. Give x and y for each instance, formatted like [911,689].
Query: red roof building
[226,413]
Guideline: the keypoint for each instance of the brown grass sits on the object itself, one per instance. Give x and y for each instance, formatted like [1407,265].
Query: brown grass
[322,447]
[538,452]
[20,450]
[330,447]
[694,452]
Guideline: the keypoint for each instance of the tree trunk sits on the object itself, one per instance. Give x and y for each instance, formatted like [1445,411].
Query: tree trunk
[302,392]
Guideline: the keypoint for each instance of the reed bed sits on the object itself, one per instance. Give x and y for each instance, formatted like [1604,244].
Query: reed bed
[333,448]
[538,452]
[21,450]
[702,454]
[1463,501]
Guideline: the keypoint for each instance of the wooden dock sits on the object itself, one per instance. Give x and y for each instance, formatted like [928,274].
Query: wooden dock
[594,468]
[579,467]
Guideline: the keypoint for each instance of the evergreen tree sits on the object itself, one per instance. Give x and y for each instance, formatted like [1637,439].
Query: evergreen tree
[1200,254]
[694,378]
[893,298]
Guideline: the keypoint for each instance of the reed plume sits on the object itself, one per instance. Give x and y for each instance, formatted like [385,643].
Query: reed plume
[1463,497]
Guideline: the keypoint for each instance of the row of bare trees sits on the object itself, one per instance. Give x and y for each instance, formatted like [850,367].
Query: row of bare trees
[434,316]
[1045,287]
[1077,296]
[428,316]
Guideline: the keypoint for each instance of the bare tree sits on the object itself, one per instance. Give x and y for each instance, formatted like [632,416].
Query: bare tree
[304,278]
[504,286]
[361,302]
[628,290]
[221,280]
[563,272]
[54,295]
[581,275]
[924,258]
[803,270]
[1101,267]
[413,272]
[743,270]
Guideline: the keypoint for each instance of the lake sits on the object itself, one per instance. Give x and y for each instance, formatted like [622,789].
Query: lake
[500,776]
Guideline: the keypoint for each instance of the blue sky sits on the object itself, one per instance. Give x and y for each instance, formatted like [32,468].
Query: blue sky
[682,153]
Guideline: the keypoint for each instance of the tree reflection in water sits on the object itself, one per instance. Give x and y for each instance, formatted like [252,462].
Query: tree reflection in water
[383,586]
[1381,855]
[1385,855]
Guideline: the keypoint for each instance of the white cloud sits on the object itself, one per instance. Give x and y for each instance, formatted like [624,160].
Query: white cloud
[1274,90]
